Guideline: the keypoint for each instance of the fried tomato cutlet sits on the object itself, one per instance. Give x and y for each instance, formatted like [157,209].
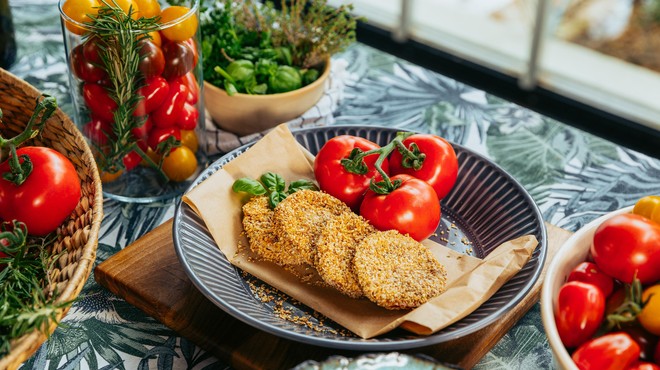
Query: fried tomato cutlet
[335,248]
[299,218]
[258,226]
[397,272]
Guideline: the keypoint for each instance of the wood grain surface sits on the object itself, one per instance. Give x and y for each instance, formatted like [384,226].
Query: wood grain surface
[148,275]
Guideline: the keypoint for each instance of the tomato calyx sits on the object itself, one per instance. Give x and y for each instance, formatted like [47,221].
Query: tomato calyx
[354,163]
[20,170]
[13,236]
[628,310]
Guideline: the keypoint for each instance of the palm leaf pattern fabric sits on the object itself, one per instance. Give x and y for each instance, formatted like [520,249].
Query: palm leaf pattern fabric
[573,176]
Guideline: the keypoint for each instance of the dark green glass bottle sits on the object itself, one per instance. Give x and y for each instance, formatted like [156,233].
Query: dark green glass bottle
[7,37]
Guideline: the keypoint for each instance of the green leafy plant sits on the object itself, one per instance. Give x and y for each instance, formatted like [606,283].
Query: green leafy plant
[271,185]
[255,48]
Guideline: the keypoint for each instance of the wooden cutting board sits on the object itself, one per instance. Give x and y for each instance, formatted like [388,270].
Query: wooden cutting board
[148,275]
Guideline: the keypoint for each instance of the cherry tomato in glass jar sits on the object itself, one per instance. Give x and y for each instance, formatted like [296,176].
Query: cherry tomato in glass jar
[170,110]
[180,164]
[127,6]
[189,139]
[160,135]
[148,8]
[152,61]
[142,132]
[642,365]
[84,69]
[131,160]
[182,30]
[99,101]
[79,11]
[188,117]
[154,92]
[190,81]
[411,208]
[193,46]
[97,130]
[91,50]
[179,59]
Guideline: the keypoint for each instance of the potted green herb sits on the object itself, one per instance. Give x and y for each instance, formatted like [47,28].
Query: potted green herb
[264,66]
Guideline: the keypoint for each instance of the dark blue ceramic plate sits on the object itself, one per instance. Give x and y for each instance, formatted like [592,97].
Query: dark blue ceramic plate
[485,208]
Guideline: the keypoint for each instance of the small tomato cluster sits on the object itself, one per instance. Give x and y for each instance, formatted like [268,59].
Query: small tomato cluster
[398,186]
[166,112]
[608,311]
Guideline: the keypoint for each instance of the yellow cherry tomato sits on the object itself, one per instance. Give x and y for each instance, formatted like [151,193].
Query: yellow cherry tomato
[189,139]
[180,164]
[148,8]
[649,207]
[109,177]
[649,318]
[182,29]
[126,6]
[79,11]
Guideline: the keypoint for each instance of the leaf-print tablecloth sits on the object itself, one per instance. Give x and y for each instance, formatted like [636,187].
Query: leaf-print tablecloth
[573,176]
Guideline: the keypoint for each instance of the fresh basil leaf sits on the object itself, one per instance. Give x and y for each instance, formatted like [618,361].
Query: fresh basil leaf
[275,198]
[301,185]
[273,182]
[247,185]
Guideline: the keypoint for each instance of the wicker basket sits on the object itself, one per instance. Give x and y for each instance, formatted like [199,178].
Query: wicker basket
[78,235]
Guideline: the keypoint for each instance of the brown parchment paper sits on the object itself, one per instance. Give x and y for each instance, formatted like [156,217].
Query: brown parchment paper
[471,281]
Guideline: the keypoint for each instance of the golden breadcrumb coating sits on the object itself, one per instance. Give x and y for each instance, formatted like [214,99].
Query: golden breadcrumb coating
[335,248]
[299,218]
[397,272]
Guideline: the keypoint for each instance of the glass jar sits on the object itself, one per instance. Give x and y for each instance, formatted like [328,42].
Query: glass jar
[136,77]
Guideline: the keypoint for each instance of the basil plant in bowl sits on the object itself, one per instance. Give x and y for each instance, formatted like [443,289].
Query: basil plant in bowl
[265,65]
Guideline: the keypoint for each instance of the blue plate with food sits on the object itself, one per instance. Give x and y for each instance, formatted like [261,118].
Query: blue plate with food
[485,209]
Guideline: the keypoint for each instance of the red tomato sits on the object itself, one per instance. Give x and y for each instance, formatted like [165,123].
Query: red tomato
[413,208]
[641,365]
[336,180]
[188,118]
[193,46]
[99,102]
[131,160]
[152,61]
[439,168]
[154,91]
[142,132]
[98,131]
[579,312]
[170,110]
[626,245]
[609,352]
[159,135]
[588,272]
[191,83]
[656,354]
[179,59]
[47,197]
[91,50]
[645,340]
[83,68]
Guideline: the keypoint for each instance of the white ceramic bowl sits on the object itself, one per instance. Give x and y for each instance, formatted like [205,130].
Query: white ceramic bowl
[570,254]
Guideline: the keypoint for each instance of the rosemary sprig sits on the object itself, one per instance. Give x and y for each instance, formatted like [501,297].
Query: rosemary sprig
[25,304]
[119,36]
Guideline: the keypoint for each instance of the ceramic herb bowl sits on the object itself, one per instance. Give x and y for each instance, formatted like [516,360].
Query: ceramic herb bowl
[245,114]
[574,251]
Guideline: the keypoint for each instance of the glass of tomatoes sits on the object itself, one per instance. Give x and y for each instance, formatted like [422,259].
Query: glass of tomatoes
[135,73]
